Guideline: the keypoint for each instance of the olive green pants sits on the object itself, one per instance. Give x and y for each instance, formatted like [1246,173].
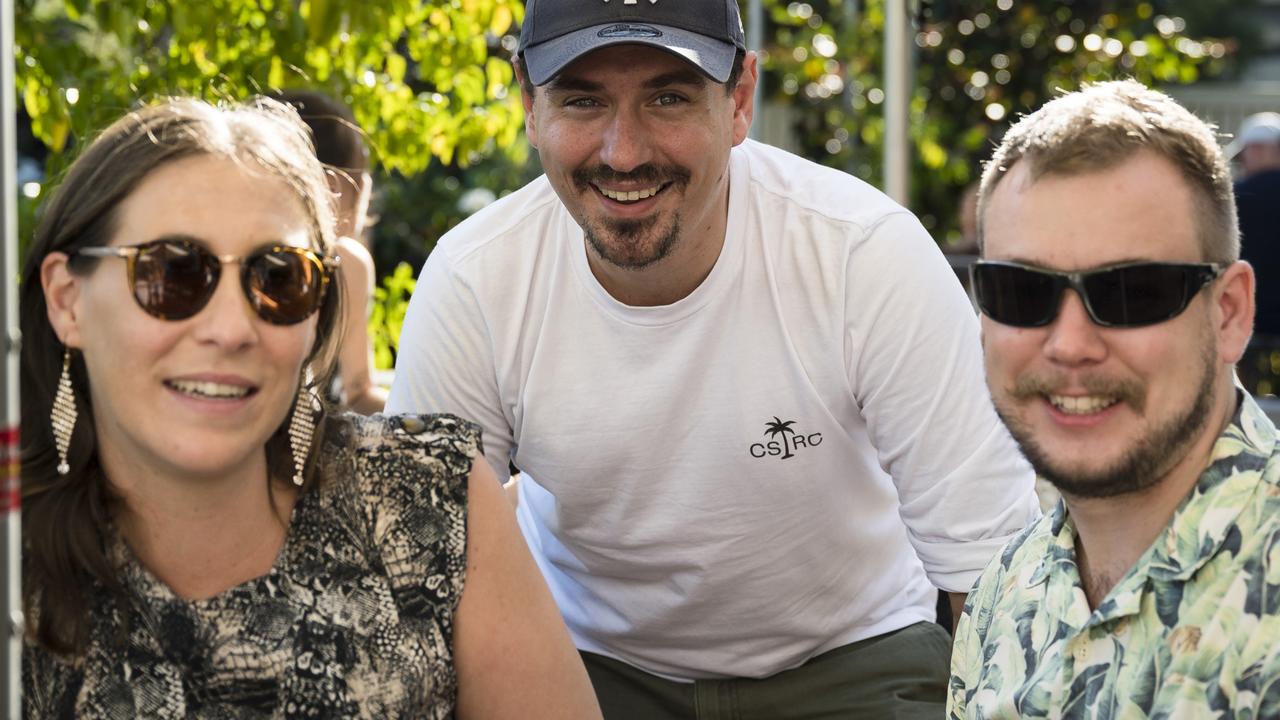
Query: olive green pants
[902,674]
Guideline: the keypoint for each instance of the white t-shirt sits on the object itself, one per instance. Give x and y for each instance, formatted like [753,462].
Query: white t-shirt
[787,460]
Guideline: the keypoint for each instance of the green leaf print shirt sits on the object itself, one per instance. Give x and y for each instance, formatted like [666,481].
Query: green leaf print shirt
[1192,631]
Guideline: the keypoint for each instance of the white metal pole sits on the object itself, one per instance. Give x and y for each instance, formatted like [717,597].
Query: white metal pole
[11,624]
[897,101]
[755,41]
[851,19]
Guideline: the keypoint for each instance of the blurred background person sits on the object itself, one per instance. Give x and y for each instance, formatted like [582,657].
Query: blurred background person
[967,218]
[962,252]
[201,537]
[1256,153]
[340,145]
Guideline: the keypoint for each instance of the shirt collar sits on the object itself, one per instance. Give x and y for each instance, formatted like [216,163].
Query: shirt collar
[1205,518]
[1064,597]
[1199,526]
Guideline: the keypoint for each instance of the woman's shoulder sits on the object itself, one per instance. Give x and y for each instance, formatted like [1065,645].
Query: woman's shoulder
[50,682]
[439,440]
[403,479]
[388,460]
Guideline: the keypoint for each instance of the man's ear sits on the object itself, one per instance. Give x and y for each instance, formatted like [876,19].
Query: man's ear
[526,99]
[62,297]
[744,98]
[1233,310]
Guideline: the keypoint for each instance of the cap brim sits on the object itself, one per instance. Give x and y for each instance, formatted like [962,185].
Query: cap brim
[713,57]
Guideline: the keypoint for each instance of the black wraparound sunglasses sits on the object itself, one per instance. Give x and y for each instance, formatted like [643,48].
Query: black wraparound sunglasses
[174,279]
[1120,296]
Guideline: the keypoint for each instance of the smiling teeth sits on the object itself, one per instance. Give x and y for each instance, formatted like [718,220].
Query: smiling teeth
[1082,405]
[208,389]
[632,196]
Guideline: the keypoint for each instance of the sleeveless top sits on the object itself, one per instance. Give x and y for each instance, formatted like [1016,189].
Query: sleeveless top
[354,620]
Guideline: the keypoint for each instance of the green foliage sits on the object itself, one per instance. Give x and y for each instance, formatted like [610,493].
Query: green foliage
[978,64]
[429,82]
[419,74]
[426,80]
[415,211]
[390,301]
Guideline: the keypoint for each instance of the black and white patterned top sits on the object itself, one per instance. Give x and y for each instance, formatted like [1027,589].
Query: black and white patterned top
[355,620]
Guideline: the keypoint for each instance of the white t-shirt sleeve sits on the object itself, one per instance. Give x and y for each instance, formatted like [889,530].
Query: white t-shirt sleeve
[445,361]
[915,365]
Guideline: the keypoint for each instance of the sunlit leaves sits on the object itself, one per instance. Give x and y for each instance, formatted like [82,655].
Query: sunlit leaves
[390,302]
[417,72]
[978,65]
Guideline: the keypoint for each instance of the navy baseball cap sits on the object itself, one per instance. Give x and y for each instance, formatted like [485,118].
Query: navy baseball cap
[707,33]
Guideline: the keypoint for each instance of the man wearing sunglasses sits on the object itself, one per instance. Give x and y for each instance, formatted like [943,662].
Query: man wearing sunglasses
[744,391]
[1114,309]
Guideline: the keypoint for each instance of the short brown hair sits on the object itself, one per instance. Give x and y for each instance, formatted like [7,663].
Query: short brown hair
[65,517]
[1103,124]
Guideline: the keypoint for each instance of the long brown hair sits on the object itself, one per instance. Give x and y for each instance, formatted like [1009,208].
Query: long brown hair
[65,517]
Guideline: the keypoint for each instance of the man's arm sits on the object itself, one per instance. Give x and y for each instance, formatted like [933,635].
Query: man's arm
[445,361]
[915,364]
[957,607]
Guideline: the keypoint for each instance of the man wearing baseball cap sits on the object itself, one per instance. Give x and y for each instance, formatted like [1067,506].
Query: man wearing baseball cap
[744,391]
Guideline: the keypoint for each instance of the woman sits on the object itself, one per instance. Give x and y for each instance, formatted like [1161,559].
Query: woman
[201,539]
[339,145]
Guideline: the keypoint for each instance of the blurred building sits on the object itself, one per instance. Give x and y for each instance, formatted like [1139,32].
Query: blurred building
[1267,66]
[1257,90]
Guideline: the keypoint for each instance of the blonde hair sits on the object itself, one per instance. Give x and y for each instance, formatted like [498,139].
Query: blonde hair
[1104,124]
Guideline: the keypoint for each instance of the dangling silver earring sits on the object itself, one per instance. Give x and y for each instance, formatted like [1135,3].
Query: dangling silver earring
[63,415]
[303,426]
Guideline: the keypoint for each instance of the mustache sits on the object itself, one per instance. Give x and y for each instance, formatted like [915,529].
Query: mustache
[647,174]
[1128,392]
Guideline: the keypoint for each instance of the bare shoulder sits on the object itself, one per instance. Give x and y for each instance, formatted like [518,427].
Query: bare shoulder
[355,258]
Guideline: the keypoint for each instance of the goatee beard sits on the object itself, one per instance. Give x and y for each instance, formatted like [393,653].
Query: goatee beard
[630,244]
[627,251]
[1142,466]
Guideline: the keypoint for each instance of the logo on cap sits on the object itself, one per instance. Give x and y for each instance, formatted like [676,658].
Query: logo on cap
[635,31]
[633,2]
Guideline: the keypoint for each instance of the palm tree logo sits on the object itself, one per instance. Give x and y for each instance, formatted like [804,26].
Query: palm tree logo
[778,427]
